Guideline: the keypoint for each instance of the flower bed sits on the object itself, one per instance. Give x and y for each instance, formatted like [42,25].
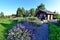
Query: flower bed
[19,33]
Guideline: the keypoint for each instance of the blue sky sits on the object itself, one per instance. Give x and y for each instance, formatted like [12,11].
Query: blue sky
[10,6]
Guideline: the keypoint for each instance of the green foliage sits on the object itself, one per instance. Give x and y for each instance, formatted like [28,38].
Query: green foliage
[2,32]
[54,32]
[23,11]
[32,18]
[27,19]
[1,15]
[26,13]
[32,11]
[56,15]
[41,6]
[5,26]
[38,23]
[20,12]
[58,23]
[13,15]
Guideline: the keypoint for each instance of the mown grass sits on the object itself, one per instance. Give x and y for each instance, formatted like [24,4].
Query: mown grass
[54,32]
[5,26]
[2,32]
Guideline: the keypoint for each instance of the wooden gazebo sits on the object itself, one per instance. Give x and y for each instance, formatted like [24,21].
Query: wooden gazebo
[45,15]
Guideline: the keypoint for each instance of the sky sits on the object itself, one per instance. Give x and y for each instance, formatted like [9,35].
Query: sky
[10,6]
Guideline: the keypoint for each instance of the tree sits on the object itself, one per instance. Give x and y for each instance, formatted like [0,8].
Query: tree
[56,15]
[26,14]
[19,12]
[23,11]
[32,11]
[41,6]
[13,14]
[1,14]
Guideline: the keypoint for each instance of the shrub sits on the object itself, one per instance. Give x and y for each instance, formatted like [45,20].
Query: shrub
[32,18]
[19,33]
[35,23]
[38,23]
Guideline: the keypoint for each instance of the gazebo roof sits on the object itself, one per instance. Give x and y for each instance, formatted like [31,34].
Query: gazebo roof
[46,11]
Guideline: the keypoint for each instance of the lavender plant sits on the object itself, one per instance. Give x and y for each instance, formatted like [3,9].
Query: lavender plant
[19,32]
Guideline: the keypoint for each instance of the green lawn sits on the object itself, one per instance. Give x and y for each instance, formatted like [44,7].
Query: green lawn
[5,26]
[2,28]
[54,32]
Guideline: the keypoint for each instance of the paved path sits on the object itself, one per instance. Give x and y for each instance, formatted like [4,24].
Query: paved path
[39,33]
